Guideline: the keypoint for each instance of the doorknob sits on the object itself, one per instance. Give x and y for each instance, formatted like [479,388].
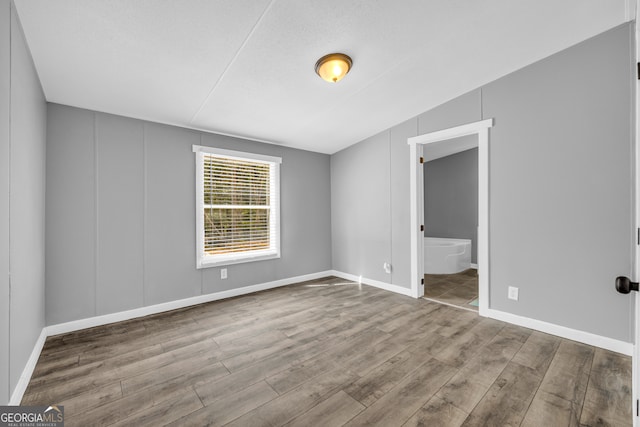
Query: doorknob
[624,285]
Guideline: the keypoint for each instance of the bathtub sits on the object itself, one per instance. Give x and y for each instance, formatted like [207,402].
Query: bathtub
[446,256]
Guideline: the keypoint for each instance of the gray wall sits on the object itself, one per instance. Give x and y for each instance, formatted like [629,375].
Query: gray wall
[121,215]
[361,209]
[561,188]
[5,90]
[22,188]
[451,198]
[369,221]
[560,180]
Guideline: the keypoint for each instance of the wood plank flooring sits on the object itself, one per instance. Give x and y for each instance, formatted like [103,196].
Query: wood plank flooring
[456,289]
[328,353]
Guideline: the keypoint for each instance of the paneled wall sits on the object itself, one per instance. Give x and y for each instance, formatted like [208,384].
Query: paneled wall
[561,186]
[361,219]
[560,160]
[22,190]
[5,107]
[121,215]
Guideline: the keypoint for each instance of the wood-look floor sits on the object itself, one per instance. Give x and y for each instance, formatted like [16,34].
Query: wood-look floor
[328,353]
[456,289]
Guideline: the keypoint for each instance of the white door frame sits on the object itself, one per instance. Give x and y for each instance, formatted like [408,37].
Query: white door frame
[416,189]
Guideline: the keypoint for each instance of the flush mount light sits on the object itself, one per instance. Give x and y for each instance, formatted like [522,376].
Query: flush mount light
[333,67]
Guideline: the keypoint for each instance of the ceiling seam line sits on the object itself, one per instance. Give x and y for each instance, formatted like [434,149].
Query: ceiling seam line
[233,60]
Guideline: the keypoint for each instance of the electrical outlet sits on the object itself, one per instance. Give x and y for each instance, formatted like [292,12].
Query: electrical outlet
[513,293]
[387,267]
[223,273]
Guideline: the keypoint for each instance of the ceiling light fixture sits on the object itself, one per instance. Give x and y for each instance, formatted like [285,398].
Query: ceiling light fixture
[333,67]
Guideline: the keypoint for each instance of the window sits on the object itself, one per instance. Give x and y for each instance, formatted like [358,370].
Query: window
[237,207]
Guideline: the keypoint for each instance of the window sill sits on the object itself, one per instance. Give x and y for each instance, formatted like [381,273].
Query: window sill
[206,263]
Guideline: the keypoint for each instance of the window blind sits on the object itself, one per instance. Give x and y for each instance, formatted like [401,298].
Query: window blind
[238,207]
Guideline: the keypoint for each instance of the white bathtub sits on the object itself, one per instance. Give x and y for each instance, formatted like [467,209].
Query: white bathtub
[446,256]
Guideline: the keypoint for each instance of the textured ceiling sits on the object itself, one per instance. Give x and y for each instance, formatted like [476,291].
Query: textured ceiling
[245,67]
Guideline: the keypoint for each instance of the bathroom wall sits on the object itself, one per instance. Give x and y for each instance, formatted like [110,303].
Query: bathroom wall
[560,187]
[22,192]
[451,198]
[121,215]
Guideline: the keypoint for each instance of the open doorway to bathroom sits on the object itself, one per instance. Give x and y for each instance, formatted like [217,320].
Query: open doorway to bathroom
[447,142]
[451,224]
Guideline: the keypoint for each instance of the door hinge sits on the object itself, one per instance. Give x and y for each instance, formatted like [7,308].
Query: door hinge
[422,281]
[638,70]
[421,160]
[637,408]
[638,240]
[422,228]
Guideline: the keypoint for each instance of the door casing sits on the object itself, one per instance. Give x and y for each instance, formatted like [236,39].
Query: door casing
[416,191]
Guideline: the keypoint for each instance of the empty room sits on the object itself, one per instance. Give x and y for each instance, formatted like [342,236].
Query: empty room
[306,213]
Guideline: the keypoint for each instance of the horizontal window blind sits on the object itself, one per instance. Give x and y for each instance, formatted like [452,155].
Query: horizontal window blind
[238,208]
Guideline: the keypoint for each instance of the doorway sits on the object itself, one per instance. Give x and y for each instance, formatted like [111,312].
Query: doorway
[451,223]
[442,141]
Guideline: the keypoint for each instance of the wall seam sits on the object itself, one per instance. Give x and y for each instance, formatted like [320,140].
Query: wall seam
[144,214]
[390,208]
[96,215]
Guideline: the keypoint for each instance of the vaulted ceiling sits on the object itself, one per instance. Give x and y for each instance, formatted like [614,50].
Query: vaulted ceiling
[246,67]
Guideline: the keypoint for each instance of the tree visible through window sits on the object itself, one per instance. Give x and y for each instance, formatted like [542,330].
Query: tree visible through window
[237,207]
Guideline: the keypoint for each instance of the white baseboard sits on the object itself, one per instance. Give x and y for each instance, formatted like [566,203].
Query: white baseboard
[474,266]
[76,325]
[375,283]
[63,328]
[611,344]
[27,372]
[561,331]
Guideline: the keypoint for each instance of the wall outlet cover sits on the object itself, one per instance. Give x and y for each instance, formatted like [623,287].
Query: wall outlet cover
[223,273]
[387,267]
[513,293]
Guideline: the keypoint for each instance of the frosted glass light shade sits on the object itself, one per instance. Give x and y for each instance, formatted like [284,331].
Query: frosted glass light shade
[333,67]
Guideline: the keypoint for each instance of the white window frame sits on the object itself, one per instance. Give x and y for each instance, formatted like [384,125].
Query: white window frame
[203,260]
